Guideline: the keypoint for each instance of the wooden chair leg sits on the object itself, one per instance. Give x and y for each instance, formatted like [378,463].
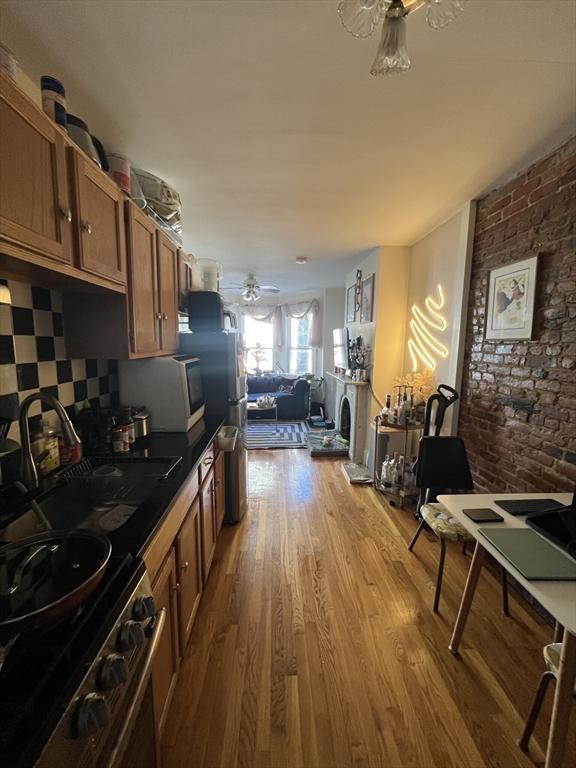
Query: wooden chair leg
[558,633]
[505,605]
[415,539]
[535,710]
[440,574]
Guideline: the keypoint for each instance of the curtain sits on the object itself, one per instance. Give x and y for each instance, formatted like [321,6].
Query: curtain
[305,309]
[275,315]
[267,315]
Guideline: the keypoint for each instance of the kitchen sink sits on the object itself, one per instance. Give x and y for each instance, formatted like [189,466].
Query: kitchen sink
[98,494]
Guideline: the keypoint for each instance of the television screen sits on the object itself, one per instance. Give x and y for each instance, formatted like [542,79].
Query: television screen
[340,347]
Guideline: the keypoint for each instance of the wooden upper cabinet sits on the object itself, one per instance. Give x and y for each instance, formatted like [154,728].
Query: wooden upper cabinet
[35,209]
[189,569]
[143,288]
[168,292]
[99,221]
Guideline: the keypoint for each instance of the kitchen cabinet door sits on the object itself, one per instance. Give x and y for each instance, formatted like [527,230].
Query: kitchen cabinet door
[208,526]
[189,564]
[167,659]
[143,285]
[99,220]
[207,462]
[219,491]
[168,292]
[35,214]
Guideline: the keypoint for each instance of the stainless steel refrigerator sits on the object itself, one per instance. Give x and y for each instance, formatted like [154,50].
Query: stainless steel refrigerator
[224,381]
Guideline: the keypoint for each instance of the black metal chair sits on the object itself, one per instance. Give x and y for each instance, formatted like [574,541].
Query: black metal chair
[443,467]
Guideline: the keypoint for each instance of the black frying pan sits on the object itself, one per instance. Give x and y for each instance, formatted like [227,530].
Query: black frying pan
[46,577]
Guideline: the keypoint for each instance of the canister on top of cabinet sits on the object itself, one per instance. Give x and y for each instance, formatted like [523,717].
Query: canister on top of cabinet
[54,99]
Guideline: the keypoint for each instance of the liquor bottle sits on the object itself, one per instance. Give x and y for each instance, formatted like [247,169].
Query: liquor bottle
[386,411]
[384,475]
[403,410]
[394,471]
[399,474]
[396,409]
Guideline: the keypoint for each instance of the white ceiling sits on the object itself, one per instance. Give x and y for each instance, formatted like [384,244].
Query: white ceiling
[264,116]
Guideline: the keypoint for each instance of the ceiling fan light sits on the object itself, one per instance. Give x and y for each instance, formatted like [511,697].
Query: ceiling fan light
[439,13]
[360,17]
[392,55]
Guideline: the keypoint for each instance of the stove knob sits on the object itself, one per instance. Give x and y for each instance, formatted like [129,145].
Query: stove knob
[112,672]
[91,714]
[130,635]
[143,608]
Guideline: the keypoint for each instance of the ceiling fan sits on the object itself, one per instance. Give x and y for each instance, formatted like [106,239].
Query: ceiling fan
[250,289]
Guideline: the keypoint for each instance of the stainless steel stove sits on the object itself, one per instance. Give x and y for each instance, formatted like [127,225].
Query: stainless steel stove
[79,694]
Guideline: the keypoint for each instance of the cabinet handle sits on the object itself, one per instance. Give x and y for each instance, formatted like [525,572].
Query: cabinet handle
[184,566]
[208,461]
[86,227]
[176,587]
[158,316]
[164,316]
[66,213]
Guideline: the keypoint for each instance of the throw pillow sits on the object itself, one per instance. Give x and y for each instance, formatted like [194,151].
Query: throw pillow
[286,388]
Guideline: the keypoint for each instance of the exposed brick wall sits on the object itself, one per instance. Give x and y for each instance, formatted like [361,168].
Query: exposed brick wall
[518,411]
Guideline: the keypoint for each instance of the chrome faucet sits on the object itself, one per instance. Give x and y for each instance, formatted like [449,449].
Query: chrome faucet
[28,471]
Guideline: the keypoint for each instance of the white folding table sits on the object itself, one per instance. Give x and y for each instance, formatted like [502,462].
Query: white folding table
[557,597]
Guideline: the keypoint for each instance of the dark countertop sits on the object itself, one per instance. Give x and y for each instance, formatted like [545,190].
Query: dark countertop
[134,535]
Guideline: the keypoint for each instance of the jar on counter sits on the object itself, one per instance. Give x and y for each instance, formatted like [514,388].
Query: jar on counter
[119,443]
[68,454]
[52,460]
[127,424]
[37,443]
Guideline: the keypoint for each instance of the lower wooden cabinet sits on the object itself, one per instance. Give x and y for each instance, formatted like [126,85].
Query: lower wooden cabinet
[208,524]
[219,491]
[167,660]
[189,564]
[178,560]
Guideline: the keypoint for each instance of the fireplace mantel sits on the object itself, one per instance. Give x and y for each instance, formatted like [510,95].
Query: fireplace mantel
[358,395]
[347,380]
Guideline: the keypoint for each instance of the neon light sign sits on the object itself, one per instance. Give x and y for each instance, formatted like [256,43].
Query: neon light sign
[423,345]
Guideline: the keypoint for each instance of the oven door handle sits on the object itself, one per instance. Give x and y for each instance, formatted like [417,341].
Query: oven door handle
[118,750]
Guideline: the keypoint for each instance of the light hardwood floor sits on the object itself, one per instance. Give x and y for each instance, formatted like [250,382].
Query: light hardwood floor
[316,646]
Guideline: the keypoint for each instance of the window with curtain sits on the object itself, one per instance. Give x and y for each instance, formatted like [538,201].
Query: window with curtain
[258,343]
[300,351]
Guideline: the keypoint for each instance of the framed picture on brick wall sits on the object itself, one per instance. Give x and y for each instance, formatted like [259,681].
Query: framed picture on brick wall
[511,297]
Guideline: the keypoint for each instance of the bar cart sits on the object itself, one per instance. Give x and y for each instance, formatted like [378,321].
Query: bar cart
[436,407]
[399,495]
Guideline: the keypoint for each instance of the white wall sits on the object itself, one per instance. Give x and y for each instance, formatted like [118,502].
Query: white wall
[444,257]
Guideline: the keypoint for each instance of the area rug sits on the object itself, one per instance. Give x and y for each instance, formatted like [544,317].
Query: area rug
[271,434]
[318,449]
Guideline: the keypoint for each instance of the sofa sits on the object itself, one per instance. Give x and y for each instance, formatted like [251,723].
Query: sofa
[291,393]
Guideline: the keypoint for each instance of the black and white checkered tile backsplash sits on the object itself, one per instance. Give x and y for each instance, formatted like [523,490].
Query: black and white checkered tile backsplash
[33,358]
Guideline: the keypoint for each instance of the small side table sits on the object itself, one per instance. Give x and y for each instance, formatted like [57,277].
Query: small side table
[270,413]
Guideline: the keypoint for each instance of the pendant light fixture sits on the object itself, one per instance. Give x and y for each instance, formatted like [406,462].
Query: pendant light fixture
[361,17]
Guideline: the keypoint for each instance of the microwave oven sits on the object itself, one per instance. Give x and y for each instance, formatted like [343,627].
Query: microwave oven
[169,387]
